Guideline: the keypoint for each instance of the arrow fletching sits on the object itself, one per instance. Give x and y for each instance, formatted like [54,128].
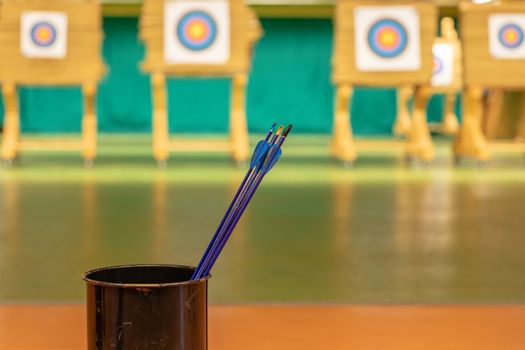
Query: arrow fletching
[274,153]
[259,153]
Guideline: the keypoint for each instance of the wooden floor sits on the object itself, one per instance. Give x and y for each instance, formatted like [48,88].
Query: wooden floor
[61,327]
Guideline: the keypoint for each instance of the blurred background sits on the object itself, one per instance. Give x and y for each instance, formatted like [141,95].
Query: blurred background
[290,77]
[387,226]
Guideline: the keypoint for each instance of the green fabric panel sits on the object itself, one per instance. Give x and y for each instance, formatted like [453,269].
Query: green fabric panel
[50,109]
[290,82]
[373,111]
[124,100]
[436,108]
[199,105]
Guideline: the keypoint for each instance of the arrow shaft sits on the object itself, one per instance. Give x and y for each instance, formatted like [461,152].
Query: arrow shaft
[228,218]
[221,224]
[229,228]
[266,155]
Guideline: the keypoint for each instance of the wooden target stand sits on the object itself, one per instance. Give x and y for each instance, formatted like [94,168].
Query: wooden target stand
[345,76]
[449,35]
[449,124]
[82,65]
[245,30]
[482,71]
[500,118]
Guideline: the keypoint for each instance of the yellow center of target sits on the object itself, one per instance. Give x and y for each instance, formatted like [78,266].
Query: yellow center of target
[43,35]
[197,30]
[511,35]
[388,38]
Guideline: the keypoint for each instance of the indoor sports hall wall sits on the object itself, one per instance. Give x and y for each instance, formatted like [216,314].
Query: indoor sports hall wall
[290,80]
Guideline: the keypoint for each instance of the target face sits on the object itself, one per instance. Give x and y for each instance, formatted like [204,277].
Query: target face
[511,36]
[196,32]
[387,38]
[43,34]
[443,70]
[507,36]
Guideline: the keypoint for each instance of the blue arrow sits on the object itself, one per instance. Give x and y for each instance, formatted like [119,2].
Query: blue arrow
[272,157]
[257,158]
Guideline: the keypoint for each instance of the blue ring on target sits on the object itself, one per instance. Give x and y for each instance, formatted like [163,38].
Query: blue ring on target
[438,66]
[504,40]
[192,18]
[38,28]
[395,28]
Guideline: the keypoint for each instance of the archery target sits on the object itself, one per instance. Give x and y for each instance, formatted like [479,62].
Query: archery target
[507,36]
[387,38]
[443,70]
[197,32]
[43,34]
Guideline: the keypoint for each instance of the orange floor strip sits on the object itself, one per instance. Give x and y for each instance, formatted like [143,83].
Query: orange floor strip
[61,327]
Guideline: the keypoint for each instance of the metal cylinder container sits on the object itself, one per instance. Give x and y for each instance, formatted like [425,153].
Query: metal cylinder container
[144,307]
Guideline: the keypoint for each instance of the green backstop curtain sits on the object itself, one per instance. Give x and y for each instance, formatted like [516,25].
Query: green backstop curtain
[290,81]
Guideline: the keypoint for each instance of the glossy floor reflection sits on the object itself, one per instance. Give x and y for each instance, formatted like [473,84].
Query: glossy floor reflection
[378,233]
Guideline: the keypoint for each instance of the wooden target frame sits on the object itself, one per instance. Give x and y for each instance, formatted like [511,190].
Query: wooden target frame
[449,35]
[449,124]
[245,30]
[481,71]
[82,65]
[345,75]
